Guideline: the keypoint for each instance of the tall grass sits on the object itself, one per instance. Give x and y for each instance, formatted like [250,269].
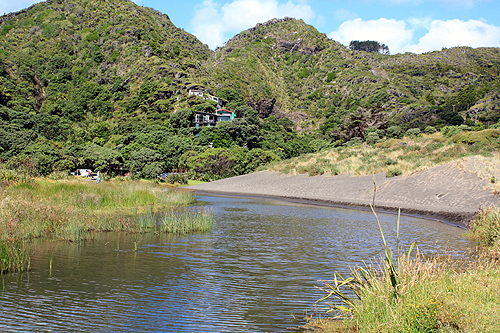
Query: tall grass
[485,228]
[392,157]
[416,294]
[177,221]
[7,175]
[72,210]
[14,256]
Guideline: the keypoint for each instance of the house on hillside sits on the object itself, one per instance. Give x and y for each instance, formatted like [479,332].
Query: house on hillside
[225,115]
[204,119]
[211,119]
[197,92]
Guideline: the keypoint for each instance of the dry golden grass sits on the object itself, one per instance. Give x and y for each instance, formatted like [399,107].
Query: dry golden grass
[395,157]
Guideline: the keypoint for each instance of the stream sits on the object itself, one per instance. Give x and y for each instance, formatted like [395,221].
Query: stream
[256,271]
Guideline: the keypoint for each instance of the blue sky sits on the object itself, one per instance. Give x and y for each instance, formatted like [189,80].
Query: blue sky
[403,25]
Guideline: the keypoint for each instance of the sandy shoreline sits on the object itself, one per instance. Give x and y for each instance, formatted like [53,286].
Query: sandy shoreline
[444,193]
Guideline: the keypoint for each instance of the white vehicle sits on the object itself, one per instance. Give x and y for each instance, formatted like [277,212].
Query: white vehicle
[84,172]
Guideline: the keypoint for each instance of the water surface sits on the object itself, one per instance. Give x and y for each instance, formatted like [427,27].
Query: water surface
[256,271]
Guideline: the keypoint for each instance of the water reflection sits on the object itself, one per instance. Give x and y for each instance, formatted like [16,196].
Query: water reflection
[252,273]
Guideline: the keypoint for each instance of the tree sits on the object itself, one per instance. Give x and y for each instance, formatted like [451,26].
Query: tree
[101,159]
[231,96]
[44,154]
[182,118]
[214,163]
[369,46]
[173,149]
[394,132]
[140,159]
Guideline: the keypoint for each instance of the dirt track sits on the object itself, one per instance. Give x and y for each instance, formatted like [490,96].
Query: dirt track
[444,192]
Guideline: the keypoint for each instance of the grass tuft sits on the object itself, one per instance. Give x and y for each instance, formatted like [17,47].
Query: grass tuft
[419,294]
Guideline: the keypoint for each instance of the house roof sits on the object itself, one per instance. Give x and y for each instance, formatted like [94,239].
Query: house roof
[224,110]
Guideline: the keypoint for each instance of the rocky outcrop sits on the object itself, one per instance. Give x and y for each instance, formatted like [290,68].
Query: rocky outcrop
[264,106]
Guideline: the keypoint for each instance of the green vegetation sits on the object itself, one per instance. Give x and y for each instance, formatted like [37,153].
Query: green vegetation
[394,157]
[419,294]
[177,222]
[113,96]
[485,228]
[368,46]
[71,210]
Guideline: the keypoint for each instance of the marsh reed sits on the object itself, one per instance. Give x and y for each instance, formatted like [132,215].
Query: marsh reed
[71,210]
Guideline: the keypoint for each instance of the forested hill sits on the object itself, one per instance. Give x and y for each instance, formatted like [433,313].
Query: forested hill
[103,84]
[94,59]
[286,67]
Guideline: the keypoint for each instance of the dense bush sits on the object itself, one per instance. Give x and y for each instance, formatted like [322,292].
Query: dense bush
[449,131]
[429,129]
[413,132]
[394,132]
[176,178]
[372,138]
[216,163]
[485,137]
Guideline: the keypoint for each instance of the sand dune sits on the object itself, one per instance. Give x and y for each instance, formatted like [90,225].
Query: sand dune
[445,192]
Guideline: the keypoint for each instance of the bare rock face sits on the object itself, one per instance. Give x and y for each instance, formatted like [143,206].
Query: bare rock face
[264,106]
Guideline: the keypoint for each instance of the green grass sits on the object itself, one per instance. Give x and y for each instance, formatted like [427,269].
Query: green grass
[485,228]
[195,182]
[14,256]
[177,221]
[419,294]
[434,296]
[71,210]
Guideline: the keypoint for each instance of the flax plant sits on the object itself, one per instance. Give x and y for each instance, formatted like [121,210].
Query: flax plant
[442,293]
[363,277]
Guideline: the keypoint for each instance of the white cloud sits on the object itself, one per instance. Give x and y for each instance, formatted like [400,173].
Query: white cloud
[212,22]
[452,33]
[7,6]
[390,32]
[207,23]
[399,36]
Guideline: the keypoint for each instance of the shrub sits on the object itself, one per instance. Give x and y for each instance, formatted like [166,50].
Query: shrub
[429,130]
[393,173]
[391,162]
[413,132]
[394,132]
[177,178]
[486,228]
[372,138]
[449,131]
[355,141]
[330,77]
[487,136]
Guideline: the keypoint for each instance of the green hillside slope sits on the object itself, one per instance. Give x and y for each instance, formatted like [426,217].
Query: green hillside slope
[287,68]
[104,84]
[91,58]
